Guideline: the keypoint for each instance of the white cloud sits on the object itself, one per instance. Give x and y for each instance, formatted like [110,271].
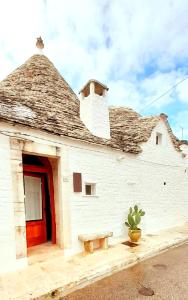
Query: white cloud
[182,91]
[139,94]
[126,91]
[180,126]
[138,48]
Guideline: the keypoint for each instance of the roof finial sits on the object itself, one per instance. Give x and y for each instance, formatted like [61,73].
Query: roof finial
[39,43]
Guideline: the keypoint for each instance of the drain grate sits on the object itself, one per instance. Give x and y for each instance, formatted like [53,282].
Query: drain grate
[130,244]
[151,235]
[160,266]
[146,291]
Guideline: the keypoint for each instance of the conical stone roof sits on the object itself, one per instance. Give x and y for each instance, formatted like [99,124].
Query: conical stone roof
[36,95]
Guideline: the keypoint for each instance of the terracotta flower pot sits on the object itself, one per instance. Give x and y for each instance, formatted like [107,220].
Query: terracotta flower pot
[134,235]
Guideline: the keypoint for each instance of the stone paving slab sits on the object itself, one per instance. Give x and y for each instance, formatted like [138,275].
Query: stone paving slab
[54,278]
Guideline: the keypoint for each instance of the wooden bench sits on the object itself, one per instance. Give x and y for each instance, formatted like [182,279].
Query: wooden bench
[89,239]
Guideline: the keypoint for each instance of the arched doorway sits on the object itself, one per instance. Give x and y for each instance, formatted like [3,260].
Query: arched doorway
[39,200]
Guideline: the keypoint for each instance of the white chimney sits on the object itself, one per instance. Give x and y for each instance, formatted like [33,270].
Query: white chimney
[94,109]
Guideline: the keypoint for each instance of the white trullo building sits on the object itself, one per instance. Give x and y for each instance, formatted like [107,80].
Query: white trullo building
[71,166]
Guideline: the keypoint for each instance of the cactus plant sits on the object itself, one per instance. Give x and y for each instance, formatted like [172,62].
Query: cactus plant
[134,217]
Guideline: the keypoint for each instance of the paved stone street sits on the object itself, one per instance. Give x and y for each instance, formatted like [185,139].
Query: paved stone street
[165,274]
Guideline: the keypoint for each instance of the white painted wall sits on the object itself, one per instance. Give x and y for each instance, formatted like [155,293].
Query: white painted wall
[184,148]
[7,233]
[95,114]
[123,180]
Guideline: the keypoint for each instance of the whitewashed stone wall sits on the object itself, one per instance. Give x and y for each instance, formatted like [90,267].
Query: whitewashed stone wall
[122,180]
[7,233]
[156,180]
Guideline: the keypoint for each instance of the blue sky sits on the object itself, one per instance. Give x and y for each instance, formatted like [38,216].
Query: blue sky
[139,49]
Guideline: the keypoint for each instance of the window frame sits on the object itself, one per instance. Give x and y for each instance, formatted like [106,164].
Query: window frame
[93,189]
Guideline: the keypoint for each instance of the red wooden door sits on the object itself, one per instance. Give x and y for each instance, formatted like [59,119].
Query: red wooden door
[35,209]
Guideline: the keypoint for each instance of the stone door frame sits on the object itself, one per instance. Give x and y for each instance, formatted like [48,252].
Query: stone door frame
[18,147]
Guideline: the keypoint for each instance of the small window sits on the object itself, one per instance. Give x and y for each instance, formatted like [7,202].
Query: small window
[158,138]
[90,189]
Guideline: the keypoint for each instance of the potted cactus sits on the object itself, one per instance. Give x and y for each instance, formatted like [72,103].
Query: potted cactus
[133,219]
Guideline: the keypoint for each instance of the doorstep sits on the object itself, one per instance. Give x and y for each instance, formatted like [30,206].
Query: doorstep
[54,278]
[43,252]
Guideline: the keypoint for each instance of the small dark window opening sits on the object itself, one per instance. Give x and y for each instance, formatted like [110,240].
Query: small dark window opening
[88,189]
[158,140]
[32,160]
[86,91]
[99,90]
[164,183]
